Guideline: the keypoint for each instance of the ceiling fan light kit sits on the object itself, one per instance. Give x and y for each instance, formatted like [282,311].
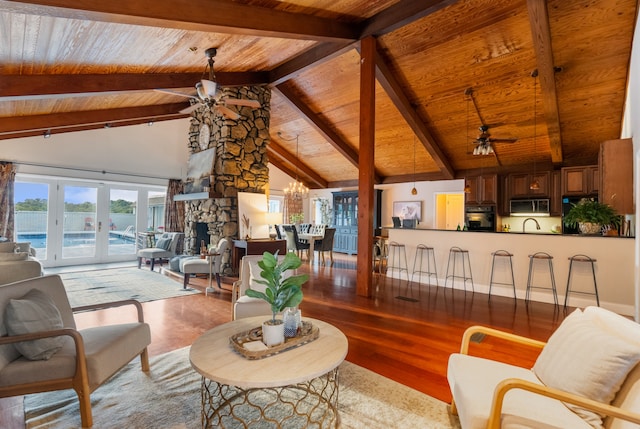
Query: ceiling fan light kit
[210,95]
[483,142]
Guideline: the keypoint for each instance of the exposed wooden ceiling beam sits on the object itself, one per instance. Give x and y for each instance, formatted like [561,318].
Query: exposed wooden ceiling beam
[93,119]
[321,127]
[419,177]
[46,86]
[400,14]
[224,17]
[308,59]
[408,112]
[541,34]
[309,173]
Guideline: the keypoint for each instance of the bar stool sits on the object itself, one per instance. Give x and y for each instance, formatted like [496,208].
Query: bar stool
[549,259]
[380,254]
[431,257]
[397,252]
[582,258]
[505,254]
[464,256]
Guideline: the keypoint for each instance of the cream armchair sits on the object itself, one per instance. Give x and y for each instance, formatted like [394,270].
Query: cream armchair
[242,305]
[62,357]
[586,376]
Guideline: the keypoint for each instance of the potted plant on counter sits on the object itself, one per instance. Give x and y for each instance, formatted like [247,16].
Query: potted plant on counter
[590,216]
[281,292]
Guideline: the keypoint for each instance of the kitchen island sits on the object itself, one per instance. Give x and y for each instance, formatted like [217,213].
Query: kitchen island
[614,267]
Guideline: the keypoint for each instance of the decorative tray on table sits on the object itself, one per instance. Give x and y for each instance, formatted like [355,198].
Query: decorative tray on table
[307,333]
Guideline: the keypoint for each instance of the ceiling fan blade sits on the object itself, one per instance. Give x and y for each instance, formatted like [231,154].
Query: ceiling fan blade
[242,102]
[210,87]
[190,109]
[168,91]
[227,112]
[513,140]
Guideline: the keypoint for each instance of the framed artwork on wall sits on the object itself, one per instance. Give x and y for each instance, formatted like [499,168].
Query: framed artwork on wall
[408,210]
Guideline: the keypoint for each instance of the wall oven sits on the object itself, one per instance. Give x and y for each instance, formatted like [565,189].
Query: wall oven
[480,218]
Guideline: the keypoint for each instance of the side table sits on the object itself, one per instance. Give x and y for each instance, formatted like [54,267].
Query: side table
[295,388]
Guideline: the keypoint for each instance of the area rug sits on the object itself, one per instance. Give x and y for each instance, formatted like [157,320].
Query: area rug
[169,397]
[91,287]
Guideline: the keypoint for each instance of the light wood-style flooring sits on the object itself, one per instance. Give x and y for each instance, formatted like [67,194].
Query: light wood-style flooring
[405,331]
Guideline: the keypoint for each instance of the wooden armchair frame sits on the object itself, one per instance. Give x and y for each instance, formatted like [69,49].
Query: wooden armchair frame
[508,384]
[80,381]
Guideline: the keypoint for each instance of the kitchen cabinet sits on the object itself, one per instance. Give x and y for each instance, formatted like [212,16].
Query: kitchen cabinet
[345,219]
[555,197]
[483,190]
[615,163]
[519,184]
[580,181]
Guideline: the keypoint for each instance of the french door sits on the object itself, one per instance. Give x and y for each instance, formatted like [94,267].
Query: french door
[73,222]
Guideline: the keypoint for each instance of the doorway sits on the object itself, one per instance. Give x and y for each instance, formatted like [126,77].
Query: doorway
[449,211]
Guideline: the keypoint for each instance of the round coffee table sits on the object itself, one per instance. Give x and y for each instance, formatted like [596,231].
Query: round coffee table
[294,388]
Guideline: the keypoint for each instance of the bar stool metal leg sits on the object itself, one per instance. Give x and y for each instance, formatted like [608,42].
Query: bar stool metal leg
[394,260]
[464,254]
[549,259]
[420,251]
[502,253]
[581,258]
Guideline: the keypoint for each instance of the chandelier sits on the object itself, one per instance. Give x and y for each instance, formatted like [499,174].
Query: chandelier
[296,189]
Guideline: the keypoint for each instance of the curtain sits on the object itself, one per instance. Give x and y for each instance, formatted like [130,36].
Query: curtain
[174,210]
[7,180]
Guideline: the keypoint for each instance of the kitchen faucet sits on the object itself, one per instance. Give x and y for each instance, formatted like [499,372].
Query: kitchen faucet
[525,223]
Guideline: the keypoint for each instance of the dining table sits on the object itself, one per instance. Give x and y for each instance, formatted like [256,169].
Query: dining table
[311,238]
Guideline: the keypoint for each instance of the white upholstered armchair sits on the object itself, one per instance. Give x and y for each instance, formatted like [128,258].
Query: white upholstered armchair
[586,376]
[62,357]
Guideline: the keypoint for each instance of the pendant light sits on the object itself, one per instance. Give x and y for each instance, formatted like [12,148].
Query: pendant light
[467,188]
[534,186]
[414,191]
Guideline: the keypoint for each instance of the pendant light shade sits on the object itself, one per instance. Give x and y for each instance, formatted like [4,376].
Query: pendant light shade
[534,186]
[414,191]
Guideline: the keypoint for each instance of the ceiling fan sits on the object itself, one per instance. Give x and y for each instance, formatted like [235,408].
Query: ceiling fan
[484,142]
[208,93]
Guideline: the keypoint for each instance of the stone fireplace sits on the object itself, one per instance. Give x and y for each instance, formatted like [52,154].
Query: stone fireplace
[239,165]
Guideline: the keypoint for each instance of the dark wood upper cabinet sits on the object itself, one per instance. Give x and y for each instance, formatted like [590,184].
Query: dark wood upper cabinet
[483,190]
[578,181]
[520,185]
[616,175]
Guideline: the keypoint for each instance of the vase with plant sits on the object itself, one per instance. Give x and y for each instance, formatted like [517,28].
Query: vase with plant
[281,291]
[296,217]
[591,216]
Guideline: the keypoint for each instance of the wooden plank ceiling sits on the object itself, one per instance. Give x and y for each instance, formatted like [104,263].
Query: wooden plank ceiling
[68,66]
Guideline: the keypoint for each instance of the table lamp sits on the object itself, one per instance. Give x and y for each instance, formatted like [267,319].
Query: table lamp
[272,219]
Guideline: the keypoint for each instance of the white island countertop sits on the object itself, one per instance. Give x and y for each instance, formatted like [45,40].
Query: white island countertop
[614,263]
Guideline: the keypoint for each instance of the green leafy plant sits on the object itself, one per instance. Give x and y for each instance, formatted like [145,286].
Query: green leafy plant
[587,210]
[280,293]
[296,217]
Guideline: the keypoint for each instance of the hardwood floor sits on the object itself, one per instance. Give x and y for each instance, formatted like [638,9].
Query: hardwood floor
[404,331]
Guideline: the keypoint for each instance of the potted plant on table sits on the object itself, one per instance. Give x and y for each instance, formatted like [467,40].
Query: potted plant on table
[590,216]
[280,292]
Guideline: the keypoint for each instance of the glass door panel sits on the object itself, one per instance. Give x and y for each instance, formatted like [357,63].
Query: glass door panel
[79,222]
[122,222]
[31,215]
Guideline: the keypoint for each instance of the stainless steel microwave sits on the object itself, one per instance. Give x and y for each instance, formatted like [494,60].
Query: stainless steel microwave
[530,207]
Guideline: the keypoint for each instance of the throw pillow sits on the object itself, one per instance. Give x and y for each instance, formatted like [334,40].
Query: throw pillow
[584,359]
[34,312]
[20,256]
[163,243]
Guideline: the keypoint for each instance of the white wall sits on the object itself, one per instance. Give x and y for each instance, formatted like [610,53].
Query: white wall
[132,154]
[631,128]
